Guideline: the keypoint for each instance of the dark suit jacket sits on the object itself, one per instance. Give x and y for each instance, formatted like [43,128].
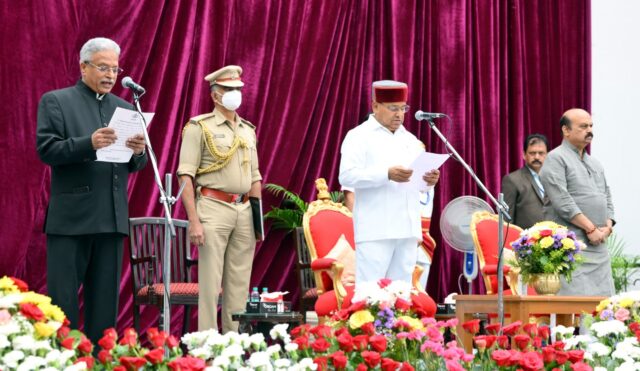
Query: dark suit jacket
[87,196]
[522,196]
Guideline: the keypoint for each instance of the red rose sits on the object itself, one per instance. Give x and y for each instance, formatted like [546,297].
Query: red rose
[481,342]
[31,311]
[522,341]
[368,328]
[187,364]
[581,366]
[531,329]
[155,356]
[372,359]
[634,326]
[302,341]
[339,360]
[119,368]
[320,345]
[576,355]
[511,328]
[503,341]
[384,282]
[378,343]
[472,326]
[341,315]
[321,362]
[104,356]
[321,331]
[491,339]
[558,345]
[514,357]
[361,367]
[359,305]
[110,332]
[548,354]
[22,286]
[402,305]
[107,342]
[389,364]
[543,332]
[340,331]
[63,332]
[360,342]
[172,342]
[85,346]
[68,343]
[300,330]
[561,357]
[132,363]
[345,342]
[406,366]
[129,337]
[537,342]
[156,338]
[531,361]
[501,357]
[492,328]
[87,360]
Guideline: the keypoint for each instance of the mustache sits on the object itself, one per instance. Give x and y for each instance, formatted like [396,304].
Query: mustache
[537,162]
[590,135]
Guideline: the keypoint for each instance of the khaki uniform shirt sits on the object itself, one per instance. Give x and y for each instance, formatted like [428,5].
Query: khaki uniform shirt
[242,170]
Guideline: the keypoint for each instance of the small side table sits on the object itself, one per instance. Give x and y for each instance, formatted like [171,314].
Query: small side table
[264,322]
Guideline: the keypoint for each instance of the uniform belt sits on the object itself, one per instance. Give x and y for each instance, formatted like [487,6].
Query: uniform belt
[231,198]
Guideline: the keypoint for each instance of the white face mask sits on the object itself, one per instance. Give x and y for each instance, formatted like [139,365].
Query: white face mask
[231,100]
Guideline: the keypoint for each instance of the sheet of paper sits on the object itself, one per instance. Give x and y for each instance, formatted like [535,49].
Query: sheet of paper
[425,162]
[126,124]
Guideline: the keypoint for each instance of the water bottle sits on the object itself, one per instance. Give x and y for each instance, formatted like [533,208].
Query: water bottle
[255,296]
[280,306]
[264,291]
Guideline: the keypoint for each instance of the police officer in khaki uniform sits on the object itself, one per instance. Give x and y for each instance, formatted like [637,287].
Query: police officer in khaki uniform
[219,164]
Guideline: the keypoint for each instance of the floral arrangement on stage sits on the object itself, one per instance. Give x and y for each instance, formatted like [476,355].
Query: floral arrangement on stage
[547,248]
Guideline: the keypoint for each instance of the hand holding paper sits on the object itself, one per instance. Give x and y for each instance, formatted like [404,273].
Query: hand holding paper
[422,167]
[125,138]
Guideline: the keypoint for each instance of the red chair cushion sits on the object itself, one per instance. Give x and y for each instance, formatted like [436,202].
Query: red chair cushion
[326,227]
[424,305]
[487,233]
[178,289]
[327,303]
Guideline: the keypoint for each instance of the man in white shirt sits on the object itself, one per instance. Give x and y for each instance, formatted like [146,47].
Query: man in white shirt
[375,156]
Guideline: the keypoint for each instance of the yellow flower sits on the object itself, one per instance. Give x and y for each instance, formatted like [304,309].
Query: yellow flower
[546,242]
[52,312]
[536,235]
[603,304]
[7,285]
[547,225]
[359,318]
[568,244]
[43,330]
[35,298]
[626,302]
[415,323]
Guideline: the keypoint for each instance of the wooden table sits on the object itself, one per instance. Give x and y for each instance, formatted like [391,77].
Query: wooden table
[519,308]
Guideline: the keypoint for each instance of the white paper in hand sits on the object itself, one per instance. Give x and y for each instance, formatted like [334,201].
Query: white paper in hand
[126,124]
[425,162]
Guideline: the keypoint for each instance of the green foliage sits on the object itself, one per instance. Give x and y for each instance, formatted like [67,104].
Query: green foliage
[289,219]
[623,267]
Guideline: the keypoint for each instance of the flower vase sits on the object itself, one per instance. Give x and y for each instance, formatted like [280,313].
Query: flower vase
[545,283]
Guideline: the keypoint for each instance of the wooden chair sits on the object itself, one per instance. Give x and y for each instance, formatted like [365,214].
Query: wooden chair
[306,280]
[146,246]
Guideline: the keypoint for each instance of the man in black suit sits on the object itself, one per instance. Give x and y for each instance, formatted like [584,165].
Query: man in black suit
[87,217]
[522,189]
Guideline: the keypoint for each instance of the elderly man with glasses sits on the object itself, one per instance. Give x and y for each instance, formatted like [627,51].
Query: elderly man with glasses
[87,217]
[386,215]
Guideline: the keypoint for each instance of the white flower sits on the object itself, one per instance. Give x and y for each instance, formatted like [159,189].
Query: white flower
[259,359]
[77,367]
[257,339]
[276,348]
[282,363]
[197,339]
[222,362]
[604,328]
[307,363]
[400,289]
[291,347]
[202,352]
[563,331]
[4,341]
[627,349]
[31,363]
[10,301]
[66,356]
[10,328]
[628,366]
[599,368]
[12,358]
[24,342]
[598,349]
[573,342]
[279,331]
[233,337]
[233,351]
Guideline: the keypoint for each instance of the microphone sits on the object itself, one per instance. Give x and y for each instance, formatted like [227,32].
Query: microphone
[128,83]
[428,115]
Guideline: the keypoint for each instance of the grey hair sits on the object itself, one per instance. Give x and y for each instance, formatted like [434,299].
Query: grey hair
[95,45]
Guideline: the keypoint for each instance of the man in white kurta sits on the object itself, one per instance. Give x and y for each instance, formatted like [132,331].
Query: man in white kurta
[375,160]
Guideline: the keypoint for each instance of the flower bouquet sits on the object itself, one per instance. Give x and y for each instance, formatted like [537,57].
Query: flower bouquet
[547,248]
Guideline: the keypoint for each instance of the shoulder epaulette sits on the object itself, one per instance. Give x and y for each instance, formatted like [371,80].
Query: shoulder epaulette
[248,123]
[204,116]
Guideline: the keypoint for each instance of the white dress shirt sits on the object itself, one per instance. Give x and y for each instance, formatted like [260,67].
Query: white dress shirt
[384,209]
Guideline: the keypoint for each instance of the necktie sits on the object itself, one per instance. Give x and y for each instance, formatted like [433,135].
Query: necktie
[536,177]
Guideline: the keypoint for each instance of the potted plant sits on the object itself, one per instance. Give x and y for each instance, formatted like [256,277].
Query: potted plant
[544,252]
[623,267]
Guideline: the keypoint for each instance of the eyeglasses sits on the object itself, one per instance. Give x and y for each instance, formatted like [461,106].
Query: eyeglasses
[394,108]
[104,69]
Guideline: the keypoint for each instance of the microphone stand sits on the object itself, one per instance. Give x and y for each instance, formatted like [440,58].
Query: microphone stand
[169,229]
[501,207]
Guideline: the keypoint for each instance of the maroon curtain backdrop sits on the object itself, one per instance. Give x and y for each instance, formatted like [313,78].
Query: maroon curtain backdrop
[500,69]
